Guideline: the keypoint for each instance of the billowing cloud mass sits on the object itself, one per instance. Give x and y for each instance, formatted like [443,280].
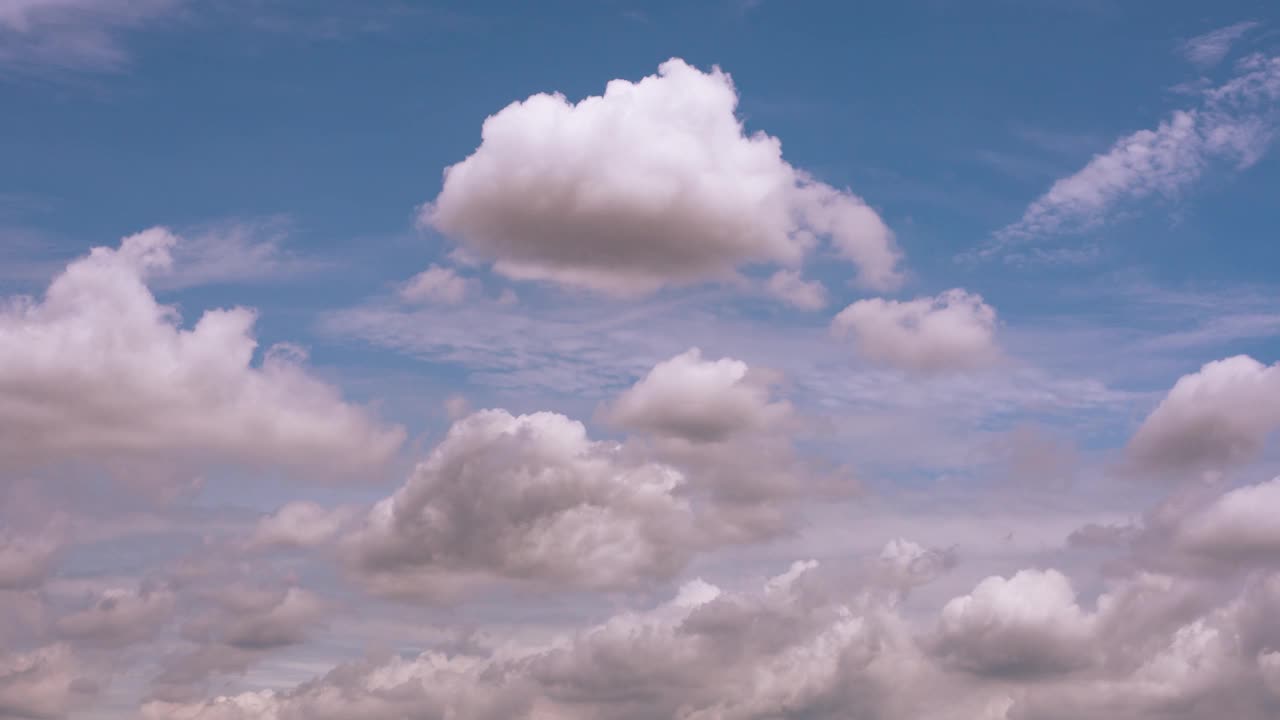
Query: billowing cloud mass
[1211,419]
[953,331]
[802,647]
[525,497]
[723,424]
[653,183]
[98,369]
[1028,624]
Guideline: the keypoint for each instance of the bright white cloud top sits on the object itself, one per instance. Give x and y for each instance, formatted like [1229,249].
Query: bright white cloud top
[98,369]
[953,331]
[653,183]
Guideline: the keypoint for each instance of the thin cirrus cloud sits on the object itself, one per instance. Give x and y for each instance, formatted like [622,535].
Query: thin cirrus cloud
[1210,48]
[1231,128]
[81,35]
[653,183]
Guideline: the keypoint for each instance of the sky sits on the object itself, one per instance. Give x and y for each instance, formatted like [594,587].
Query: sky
[702,360]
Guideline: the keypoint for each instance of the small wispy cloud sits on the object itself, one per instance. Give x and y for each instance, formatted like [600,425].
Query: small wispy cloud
[1210,48]
[236,253]
[1233,126]
[81,35]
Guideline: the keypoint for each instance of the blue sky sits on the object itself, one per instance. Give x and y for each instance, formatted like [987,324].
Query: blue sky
[965,322]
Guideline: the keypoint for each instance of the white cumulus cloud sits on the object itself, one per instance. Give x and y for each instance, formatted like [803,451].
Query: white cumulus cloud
[653,183]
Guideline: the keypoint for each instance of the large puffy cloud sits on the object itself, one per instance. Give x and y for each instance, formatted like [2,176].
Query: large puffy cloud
[1028,624]
[953,331]
[526,497]
[1211,419]
[653,183]
[98,369]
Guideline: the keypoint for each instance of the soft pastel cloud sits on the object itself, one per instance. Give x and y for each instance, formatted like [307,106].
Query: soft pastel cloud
[98,369]
[1211,419]
[952,331]
[652,183]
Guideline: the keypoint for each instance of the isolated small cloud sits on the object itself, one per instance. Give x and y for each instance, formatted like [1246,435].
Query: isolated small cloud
[1211,419]
[952,331]
[699,400]
[436,284]
[652,183]
[1210,48]
[85,35]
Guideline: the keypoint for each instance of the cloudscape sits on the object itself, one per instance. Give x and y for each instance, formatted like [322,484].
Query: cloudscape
[649,360]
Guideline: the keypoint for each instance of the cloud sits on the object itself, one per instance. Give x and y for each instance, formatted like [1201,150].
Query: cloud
[950,332]
[239,624]
[781,650]
[799,645]
[25,561]
[653,183]
[40,684]
[1234,124]
[72,34]
[1210,420]
[702,401]
[1210,48]
[1238,525]
[98,370]
[722,425]
[1028,624]
[436,285]
[233,253]
[526,497]
[788,286]
[300,524]
[119,616]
